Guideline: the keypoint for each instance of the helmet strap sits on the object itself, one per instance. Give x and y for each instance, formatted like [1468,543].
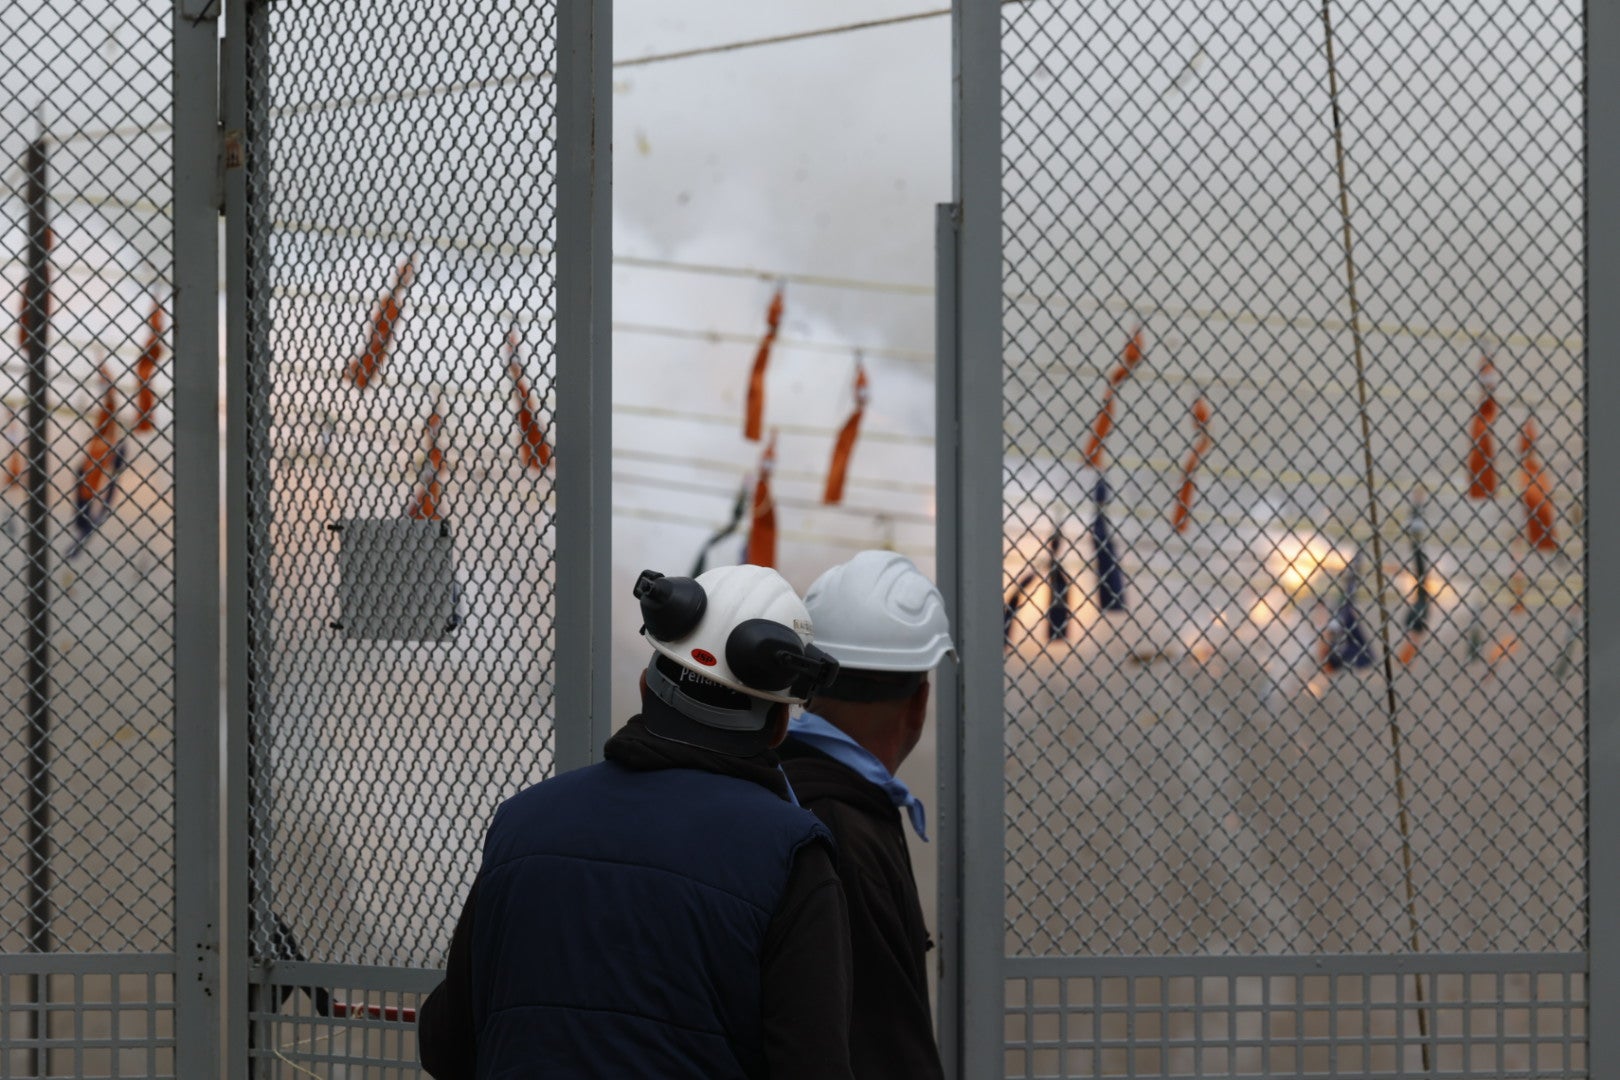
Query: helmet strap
[754,718]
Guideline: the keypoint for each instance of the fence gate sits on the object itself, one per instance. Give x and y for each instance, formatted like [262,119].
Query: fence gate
[419,242]
[1274,562]
[109,573]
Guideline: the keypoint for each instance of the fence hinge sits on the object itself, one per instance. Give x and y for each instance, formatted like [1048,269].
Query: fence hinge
[232,155]
[198,10]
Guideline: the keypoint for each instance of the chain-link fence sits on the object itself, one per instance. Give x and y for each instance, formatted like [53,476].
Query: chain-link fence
[1294,571]
[404,392]
[87,569]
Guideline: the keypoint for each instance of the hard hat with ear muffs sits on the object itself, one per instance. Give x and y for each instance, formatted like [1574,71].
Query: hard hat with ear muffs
[740,626]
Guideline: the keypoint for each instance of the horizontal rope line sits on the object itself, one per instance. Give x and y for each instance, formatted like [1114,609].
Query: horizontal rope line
[792,277]
[1472,335]
[854,543]
[781,39]
[660,413]
[781,500]
[732,338]
[739,471]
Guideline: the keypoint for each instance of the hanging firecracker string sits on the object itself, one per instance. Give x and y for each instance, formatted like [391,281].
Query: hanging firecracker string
[1110,571]
[427,501]
[1481,442]
[845,444]
[95,488]
[1104,423]
[384,322]
[754,418]
[762,526]
[1540,528]
[1060,604]
[1344,642]
[1014,602]
[738,507]
[533,450]
[146,370]
[1182,514]
[1417,617]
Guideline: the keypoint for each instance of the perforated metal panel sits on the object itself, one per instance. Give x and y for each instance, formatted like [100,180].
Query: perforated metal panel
[1287,690]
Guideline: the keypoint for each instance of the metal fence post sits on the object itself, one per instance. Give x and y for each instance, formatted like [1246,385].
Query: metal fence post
[198,894]
[584,379]
[976,26]
[1603,522]
[948,697]
[234,70]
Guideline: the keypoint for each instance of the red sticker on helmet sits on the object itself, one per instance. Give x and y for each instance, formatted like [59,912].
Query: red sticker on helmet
[704,657]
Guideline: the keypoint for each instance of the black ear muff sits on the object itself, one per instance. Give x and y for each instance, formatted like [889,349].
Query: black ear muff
[671,607]
[767,656]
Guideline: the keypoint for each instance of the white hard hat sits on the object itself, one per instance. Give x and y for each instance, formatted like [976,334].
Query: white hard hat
[878,612]
[740,626]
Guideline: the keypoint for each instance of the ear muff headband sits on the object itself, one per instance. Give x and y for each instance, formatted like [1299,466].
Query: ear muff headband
[671,607]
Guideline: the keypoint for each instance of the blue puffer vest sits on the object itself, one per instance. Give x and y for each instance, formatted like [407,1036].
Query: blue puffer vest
[620,920]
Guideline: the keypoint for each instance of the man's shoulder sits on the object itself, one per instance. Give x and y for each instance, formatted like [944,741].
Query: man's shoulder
[819,779]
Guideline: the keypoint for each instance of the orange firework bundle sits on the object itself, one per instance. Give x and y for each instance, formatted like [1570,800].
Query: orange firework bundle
[1201,446]
[754,419]
[1104,423]
[762,529]
[368,365]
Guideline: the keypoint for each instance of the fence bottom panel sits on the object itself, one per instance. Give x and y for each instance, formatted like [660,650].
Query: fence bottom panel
[1459,1017]
[87,1015]
[336,1020]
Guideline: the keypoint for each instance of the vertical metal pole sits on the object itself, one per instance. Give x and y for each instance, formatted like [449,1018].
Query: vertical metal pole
[584,379]
[948,696]
[35,328]
[1602,525]
[243,22]
[976,30]
[198,895]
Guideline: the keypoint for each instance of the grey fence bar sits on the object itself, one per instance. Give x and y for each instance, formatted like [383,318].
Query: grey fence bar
[975,579]
[1603,525]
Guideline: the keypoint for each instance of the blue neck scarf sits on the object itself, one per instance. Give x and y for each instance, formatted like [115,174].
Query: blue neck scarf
[836,744]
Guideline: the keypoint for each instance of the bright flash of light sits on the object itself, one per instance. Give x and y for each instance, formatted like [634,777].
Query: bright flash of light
[1268,608]
[1302,563]
[1441,592]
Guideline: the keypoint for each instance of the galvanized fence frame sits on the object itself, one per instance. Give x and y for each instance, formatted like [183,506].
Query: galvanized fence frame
[1046,1015]
[366,1026]
[1603,621]
[123,1012]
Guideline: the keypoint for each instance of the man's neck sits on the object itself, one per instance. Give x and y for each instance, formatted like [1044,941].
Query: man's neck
[877,733]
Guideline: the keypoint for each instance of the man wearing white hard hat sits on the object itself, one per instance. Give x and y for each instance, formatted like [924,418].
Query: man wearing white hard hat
[670,911]
[884,622]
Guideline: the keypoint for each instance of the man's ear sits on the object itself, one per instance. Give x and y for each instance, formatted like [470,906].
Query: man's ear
[917,714]
[778,724]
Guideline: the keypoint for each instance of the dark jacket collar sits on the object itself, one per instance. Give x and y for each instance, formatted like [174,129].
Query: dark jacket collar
[817,776]
[636,747]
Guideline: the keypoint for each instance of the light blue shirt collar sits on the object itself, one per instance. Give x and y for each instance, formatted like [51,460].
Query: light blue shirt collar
[838,745]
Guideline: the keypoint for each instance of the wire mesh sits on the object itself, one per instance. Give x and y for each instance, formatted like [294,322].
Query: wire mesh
[1282,679]
[86,514]
[401,287]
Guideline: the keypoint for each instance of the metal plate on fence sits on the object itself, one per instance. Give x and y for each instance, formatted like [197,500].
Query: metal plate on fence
[396,580]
